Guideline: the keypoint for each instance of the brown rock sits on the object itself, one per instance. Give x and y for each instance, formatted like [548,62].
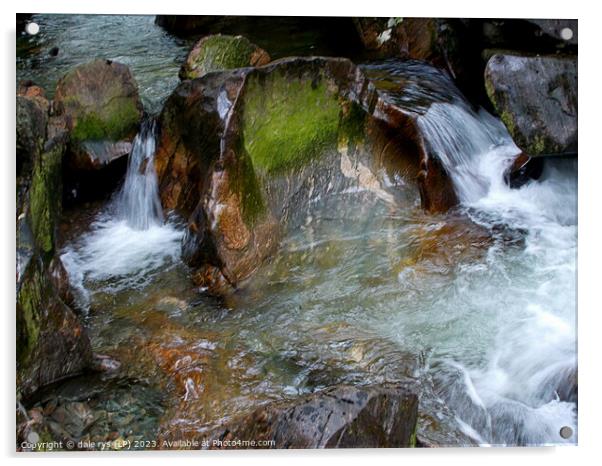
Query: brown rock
[100,103]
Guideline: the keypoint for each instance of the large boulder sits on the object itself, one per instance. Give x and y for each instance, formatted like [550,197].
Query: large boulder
[380,416]
[243,152]
[536,98]
[100,104]
[221,52]
[51,342]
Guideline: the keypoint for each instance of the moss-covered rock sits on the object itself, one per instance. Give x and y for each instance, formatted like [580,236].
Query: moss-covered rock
[221,52]
[536,98]
[241,152]
[51,343]
[100,103]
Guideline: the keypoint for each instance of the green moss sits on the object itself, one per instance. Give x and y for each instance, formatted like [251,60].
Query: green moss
[29,302]
[245,182]
[117,120]
[44,200]
[353,122]
[287,121]
[506,117]
[413,437]
[219,53]
[537,146]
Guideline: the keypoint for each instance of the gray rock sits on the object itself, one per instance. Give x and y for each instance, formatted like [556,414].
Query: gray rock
[339,417]
[536,97]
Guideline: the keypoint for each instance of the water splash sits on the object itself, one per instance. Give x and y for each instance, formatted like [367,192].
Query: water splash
[130,240]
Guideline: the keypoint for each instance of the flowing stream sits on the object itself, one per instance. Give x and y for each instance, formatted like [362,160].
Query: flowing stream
[478,305]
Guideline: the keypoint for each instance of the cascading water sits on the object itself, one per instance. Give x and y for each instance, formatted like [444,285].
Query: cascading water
[526,391]
[130,239]
[138,201]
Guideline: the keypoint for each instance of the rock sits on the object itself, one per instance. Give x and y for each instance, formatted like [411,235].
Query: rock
[526,35]
[242,152]
[434,40]
[218,52]
[557,29]
[32,118]
[100,103]
[51,343]
[536,97]
[381,416]
[522,170]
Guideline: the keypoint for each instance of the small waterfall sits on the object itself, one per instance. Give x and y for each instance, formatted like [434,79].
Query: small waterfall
[130,240]
[474,147]
[138,202]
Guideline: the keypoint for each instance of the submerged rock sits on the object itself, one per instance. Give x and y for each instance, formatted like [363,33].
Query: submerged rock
[536,97]
[221,52]
[102,111]
[380,416]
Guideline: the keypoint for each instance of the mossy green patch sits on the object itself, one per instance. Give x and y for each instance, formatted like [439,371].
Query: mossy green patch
[115,121]
[508,120]
[219,53]
[538,146]
[44,200]
[29,302]
[288,121]
[352,125]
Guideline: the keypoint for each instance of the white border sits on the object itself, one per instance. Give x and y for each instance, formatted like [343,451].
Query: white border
[590,226]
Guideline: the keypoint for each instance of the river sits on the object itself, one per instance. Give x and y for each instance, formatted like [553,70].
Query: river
[478,305]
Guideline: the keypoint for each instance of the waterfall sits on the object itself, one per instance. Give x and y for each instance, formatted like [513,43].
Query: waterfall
[130,240]
[473,147]
[138,202]
[524,390]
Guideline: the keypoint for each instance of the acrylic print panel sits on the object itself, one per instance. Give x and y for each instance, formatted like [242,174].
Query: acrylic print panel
[295,232]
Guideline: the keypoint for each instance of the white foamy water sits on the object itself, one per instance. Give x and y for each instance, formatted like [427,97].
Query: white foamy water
[526,391]
[130,240]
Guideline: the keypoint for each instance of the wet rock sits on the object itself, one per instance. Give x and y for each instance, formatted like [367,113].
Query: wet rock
[241,152]
[434,40]
[32,118]
[340,417]
[100,104]
[536,97]
[523,170]
[185,24]
[221,52]
[51,343]
[104,363]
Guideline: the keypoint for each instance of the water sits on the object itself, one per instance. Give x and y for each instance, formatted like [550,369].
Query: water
[125,39]
[478,305]
[139,202]
[130,239]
